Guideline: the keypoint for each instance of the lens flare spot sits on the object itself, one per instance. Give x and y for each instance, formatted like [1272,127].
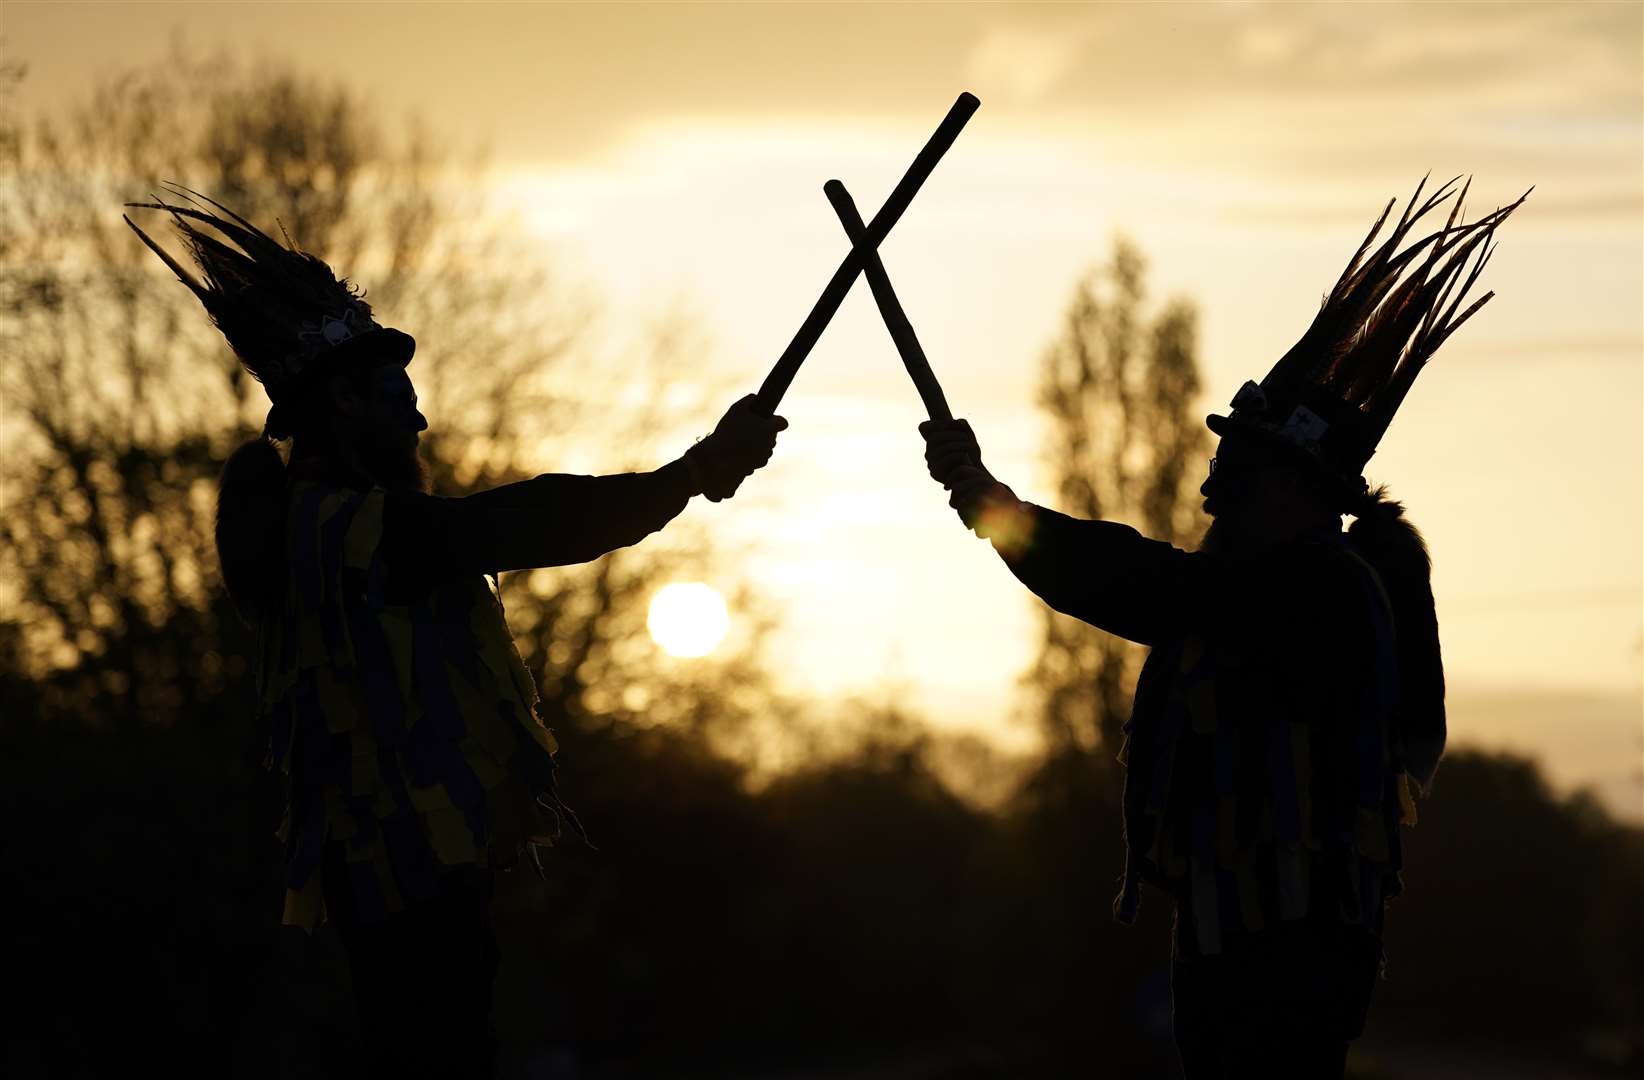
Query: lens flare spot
[688,619]
[1007,526]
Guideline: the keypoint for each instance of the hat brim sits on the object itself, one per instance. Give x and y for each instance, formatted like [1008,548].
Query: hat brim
[1351,484]
[384,345]
[1264,435]
[1232,425]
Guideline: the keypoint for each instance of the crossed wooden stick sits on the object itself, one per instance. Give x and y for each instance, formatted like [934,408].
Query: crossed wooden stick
[864,258]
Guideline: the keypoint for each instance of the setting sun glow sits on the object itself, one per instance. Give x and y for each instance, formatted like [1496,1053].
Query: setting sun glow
[688,619]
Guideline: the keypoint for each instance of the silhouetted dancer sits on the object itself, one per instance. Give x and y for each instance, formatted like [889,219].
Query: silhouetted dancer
[399,708]
[1294,687]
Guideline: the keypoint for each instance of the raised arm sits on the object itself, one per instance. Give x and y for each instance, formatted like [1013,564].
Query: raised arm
[558,519]
[1104,573]
[550,520]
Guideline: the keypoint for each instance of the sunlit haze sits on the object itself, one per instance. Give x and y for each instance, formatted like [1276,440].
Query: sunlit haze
[674,156]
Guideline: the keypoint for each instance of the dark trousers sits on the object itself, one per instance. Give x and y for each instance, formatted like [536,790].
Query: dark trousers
[1282,1002]
[423,978]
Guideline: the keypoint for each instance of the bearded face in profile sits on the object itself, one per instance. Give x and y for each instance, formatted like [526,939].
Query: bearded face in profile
[398,466]
[384,428]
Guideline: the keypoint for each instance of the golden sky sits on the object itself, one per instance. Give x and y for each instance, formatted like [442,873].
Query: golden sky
[677,153]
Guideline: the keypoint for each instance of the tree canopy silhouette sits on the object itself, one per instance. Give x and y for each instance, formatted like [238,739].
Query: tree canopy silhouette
[1118,386]
[120,401]
[859,914]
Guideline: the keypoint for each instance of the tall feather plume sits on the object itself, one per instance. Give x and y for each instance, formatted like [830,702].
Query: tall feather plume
[1346,306]
[1431,319]
[1393,306]
[258,292]
[1354,306]
[1377,345]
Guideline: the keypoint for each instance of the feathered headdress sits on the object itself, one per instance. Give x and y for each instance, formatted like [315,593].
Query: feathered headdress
[285,314]
[1333,394]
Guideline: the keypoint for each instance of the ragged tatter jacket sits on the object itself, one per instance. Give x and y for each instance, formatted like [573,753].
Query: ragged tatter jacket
[399,709]
[1265,778]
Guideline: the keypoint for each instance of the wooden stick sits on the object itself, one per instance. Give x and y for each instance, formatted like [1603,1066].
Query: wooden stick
[787,365]
[890,309]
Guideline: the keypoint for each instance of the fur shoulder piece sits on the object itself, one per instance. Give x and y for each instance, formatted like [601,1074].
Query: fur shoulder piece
[251,495]
[1380,527]
[1394,548]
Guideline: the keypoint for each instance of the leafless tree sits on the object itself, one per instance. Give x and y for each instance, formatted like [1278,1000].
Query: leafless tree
[119,401]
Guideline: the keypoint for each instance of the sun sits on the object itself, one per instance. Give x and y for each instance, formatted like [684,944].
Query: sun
[687,618]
